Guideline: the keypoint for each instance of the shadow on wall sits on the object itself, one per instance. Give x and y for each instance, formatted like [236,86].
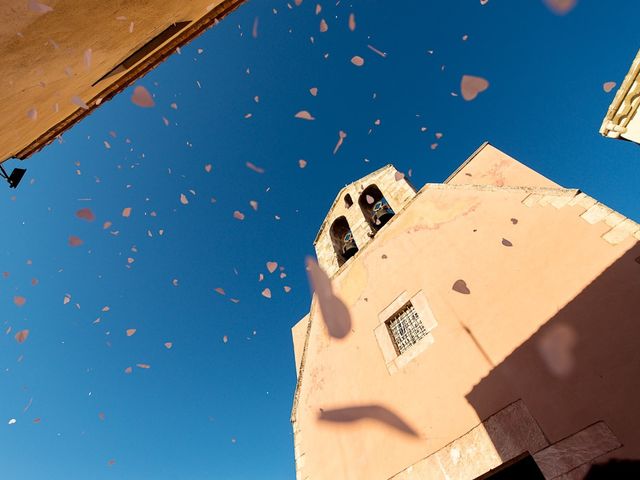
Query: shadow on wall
[582,366]
[363,412]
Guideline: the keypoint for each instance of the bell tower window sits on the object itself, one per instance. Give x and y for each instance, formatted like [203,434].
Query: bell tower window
[375,207]
[343,242]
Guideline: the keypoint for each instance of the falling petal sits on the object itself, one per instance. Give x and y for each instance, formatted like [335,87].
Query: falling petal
[334,312]
[76,100]
[398,176]
[128,370]
[142,98]
[254,31]
[352,22]
[38,7]
[19,300]
[556,346]
[131,332]
[255,168]
[608,86]
[143,365]
[21,336]
[87,58]
[225,339]
[12,421]
[313,91]
[266,293]
[287,289]
[304,115]
[323,26]
[471,86]
[238,215]
[253,204]
[75,241]
[86,214]
[220,290]
[207,168]
[561,7]
[272,266]
[168,345]
[302,163]
[341,136]
[460,286]
[183,199]
[357,61]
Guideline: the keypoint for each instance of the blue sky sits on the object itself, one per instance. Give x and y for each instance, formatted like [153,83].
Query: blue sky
[209,409]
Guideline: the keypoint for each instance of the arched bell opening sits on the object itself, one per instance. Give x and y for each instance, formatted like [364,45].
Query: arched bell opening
[343,242]
[375,208]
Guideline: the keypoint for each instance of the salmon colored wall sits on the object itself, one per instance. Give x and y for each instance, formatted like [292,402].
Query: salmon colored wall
[456,232]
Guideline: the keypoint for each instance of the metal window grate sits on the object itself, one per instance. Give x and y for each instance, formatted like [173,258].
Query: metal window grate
[406,328]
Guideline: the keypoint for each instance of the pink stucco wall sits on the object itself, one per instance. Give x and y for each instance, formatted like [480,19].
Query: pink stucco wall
[489,347]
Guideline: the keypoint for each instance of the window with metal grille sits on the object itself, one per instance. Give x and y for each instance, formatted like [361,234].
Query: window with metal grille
[406,328]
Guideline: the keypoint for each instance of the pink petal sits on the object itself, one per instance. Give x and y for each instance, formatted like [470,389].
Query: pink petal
[220,290]
[471,86]
[304,115]
[254,32]
[341,136]
[128,370]
[75,241]
[266,293]
[608,86]
[255,168]
[238,215]
[357,61]
[168,345]
[183,199]
[323,26]
[272,266]
[19,300]
[313,91]
[143,365]
[352,22]
[86,214]
[302,163]
[207,168]
[131,332]
[142,98]
[561,7]
[126,212]
[21,336]
[334,312]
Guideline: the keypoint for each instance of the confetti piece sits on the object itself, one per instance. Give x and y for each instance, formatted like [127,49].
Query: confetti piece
[220,290]
[272,266]
[352,22]
[126,212]
[375,50]
[207,168]
[183,199]
[253,204]
[86,214]
[76,100]
[238,215]
[323,26]
[168,345]
[471,86]
[561,7]
[142,98]
[302,163]
[608,86]
[38,7]
[75,241]
[21,336]
[334,312]
[266,293]
[313,91]
[357,61]
[143,365]
[254,31]
[304,115]
[66,299]
[19,300]
[341,136]
[460,286]
[106,225]
[128,370]
[254,167]
[131,332]
[87,58]
[287,289]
